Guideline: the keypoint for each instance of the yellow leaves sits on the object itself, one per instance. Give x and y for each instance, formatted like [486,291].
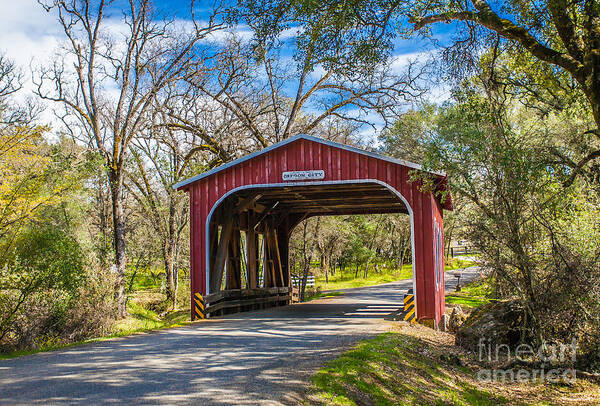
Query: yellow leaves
[24,162]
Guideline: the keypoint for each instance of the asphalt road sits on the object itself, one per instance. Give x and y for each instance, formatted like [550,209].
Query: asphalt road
[263,357]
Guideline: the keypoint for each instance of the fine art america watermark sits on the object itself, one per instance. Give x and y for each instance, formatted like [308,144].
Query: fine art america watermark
[551,358]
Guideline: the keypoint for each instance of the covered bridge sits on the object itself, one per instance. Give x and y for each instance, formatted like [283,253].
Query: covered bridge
[269,192]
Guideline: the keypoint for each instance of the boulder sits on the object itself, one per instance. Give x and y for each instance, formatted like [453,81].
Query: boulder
[498,322]
[457,318]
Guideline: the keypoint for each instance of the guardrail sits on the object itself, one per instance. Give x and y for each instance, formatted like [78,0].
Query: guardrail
[462,251]
[310,281]
[243,300]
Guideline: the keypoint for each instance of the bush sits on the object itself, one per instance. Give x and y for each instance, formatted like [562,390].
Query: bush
[46,295]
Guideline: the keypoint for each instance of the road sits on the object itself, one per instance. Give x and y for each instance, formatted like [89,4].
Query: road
[262,357]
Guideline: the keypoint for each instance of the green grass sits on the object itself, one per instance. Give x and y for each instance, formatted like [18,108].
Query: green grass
[394,369]
[472,295]
[453,264]
[385,275]
[141,319]
[322,296]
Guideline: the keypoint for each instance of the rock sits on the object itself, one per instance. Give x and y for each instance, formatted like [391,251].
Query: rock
[452,359]
[497,322]
[457,318]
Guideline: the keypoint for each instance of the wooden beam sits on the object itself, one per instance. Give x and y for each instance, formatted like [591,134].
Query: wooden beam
[251,260]
[277,257]
[265,214]
[245,204]
[216,275]
[234,268]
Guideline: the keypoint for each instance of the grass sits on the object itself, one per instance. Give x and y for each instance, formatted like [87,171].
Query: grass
[396,368]
[139,320]
[415,365]
[472,295]
[322,295]
[347,280]
[142,319]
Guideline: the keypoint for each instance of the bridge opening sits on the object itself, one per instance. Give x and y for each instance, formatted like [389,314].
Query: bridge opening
[333,252]
[249,234]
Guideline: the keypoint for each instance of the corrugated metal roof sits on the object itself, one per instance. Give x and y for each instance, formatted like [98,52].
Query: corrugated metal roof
[295,138]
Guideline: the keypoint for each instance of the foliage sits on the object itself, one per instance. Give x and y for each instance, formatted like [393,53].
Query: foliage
[44,275]
[326,28]
[523,210]
[27,179]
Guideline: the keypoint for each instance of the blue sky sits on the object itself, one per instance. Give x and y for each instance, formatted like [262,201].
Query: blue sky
[31,36]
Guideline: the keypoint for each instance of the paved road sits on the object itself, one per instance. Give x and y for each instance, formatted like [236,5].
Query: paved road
[263,357]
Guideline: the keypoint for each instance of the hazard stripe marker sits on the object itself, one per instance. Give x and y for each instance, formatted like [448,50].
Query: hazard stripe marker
[408,314]
[199,307]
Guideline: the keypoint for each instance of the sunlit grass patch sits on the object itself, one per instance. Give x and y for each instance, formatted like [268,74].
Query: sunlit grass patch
[397,369]
[472,295]
[349,278]
[323,295]
[141,319]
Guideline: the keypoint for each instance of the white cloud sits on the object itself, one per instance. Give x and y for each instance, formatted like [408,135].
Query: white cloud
[29,32]
[222,37]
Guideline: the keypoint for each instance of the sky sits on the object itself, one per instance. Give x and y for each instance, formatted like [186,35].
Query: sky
[31,36]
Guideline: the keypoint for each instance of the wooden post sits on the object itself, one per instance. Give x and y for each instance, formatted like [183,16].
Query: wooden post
[268,259]
[234,269]
[216,274]
[251,264]
[252,252]
[277,259]
[213,244]
[283,244]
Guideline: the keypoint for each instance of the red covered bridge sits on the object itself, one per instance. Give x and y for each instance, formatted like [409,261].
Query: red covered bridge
[264,195]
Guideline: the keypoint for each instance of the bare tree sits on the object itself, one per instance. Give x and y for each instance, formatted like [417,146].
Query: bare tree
[273,98]
[118,67]
[162,156]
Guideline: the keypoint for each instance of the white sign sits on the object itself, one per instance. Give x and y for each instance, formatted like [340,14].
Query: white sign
[304,175]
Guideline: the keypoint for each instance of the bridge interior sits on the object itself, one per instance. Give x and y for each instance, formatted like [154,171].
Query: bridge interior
[249,232]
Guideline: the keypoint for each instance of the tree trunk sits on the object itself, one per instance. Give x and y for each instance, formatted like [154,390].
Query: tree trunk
[305,273]
[170,275]
[169,255]
[116,193]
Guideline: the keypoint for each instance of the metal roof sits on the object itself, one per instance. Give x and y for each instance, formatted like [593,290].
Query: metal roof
[220,168]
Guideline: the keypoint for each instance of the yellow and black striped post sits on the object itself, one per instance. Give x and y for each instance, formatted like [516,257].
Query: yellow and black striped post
[408,314]
[199,307]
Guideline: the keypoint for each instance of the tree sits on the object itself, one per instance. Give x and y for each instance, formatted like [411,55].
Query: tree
[563,34]
[32,175]
[562,38]
[108,94]
[516,207]
[163,156]
[271,97]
